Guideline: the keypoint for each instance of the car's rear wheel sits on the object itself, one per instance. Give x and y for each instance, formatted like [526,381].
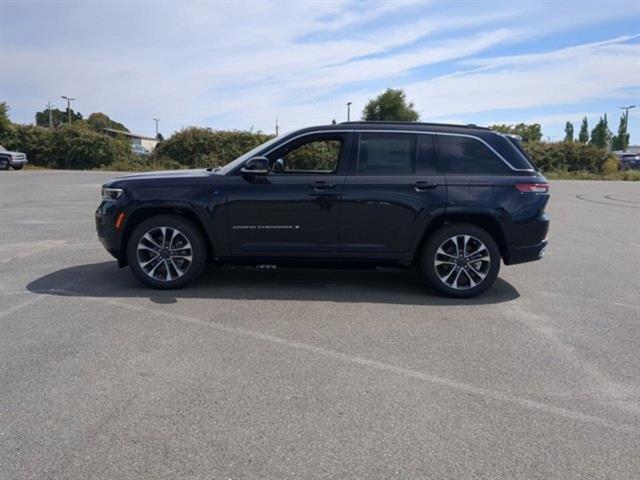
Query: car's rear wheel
[166,251]
[460,260]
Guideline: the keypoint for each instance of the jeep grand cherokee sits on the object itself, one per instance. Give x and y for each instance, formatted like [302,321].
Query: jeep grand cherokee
[456,200]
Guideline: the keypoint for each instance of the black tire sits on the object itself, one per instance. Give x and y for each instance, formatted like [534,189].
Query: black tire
[464,288]
[17,166]
[189,231]
[4,165]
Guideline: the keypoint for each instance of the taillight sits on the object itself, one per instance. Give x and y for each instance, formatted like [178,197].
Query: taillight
[533,187]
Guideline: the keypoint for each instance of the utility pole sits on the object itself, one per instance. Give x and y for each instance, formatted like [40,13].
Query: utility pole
[50,115]
[348,111]
[69,100]
[277,127]
[156,120]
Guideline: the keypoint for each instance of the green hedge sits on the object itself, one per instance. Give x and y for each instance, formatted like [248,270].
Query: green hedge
[77,146]
[570,157]
[202,147]
[69,147]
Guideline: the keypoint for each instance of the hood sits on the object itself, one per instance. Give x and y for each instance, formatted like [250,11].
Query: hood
[165,177]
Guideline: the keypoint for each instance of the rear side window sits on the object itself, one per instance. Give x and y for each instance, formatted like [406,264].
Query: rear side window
[386,154]
[466,155]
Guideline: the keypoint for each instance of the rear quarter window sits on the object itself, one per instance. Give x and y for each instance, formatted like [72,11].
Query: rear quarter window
[467,155]
[512,152]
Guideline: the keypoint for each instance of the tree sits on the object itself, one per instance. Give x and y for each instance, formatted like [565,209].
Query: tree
[601,135]
[6,128]
[583,136]
[58,117]
[390,105]
[99,121]
[159,137]
[568,132]
[529,132]
[621,141]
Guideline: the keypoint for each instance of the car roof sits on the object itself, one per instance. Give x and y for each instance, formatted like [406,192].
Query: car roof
[400,126]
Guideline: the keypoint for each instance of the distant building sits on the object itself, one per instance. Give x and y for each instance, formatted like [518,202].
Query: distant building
[147,142]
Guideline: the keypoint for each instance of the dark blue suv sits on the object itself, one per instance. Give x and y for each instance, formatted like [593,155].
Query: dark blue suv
[456,200]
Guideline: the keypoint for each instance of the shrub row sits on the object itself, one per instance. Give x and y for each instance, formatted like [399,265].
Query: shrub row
[571,157]
[77,146]
[68,147]
[202,147]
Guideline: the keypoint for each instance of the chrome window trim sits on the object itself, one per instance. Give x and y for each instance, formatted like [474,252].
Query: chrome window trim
[414,132]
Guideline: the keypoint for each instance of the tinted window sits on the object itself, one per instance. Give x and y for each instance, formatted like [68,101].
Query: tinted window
[427,161]
[317,155]
[386,154]
[467,155]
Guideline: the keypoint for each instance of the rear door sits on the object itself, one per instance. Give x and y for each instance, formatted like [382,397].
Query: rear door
[393,188]
[294,209]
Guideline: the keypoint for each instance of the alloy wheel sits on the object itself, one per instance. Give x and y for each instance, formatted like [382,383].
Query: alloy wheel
[164,253]
[462,262]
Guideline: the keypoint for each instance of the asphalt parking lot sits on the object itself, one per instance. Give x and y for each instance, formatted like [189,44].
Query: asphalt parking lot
[295,373]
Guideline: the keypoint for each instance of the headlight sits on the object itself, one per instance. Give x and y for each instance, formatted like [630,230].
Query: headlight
[111,193]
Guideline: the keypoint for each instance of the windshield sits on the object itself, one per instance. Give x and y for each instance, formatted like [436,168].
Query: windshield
[2,149]
[243,158]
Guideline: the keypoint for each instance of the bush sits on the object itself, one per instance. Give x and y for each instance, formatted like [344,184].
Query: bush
[202,147]
[70,147]
[569,157]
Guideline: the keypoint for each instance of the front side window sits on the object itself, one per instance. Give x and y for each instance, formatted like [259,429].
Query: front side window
[316,155]
[466,155]
[386,154]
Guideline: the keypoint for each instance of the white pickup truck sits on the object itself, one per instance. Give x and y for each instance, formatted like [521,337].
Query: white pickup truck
[15,160]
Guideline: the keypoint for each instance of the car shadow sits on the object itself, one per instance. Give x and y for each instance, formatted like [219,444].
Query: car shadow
[382,285]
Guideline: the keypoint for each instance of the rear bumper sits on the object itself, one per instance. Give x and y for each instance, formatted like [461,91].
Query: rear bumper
[528,240]
[529,253]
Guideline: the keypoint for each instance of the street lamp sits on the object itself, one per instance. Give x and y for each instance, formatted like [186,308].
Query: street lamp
[69,100]
[156,120]
[626,110]
[348,111]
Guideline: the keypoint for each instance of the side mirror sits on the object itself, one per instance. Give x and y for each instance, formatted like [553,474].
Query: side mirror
[256,166]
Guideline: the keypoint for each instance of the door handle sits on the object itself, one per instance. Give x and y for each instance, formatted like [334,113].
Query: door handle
[321,185]
[422,186]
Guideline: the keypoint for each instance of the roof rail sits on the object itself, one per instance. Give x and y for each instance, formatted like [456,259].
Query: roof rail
[398,122]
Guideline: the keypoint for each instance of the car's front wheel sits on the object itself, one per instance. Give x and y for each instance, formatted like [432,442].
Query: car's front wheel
[460,260]
[17,166]
[166,252]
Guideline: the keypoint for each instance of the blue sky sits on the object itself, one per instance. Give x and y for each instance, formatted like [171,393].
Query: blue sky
[239,65]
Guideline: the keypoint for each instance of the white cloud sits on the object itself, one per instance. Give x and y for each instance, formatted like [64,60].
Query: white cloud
[242,64]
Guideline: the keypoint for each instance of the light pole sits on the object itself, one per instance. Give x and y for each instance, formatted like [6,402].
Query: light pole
[156,120]
[626,110]
[69,100]
[348,111]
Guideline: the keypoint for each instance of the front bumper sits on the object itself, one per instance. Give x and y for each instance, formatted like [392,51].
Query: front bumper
[108,235]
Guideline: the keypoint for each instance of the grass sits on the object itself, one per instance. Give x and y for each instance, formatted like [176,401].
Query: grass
[627,175]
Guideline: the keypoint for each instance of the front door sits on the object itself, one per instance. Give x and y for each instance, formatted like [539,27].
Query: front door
[392,191]
[294,208]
